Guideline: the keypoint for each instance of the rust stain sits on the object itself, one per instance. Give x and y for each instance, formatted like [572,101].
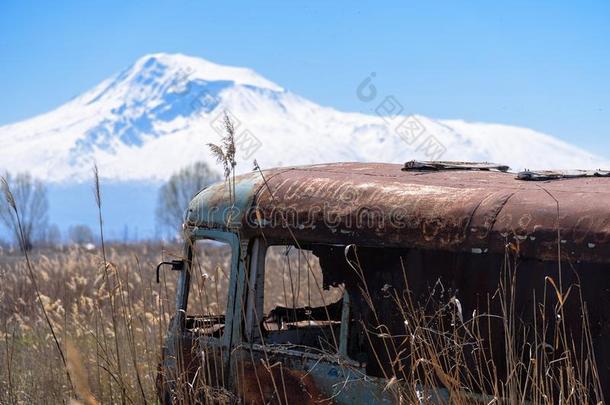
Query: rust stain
[261,384]
[380,205]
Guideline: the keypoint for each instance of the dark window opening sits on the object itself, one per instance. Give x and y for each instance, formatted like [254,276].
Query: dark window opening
[301,311]
[210,271]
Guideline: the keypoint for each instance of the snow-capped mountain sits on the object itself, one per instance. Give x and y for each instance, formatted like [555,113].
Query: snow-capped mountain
[156,116]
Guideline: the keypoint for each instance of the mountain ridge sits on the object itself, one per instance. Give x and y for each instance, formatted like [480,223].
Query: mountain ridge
[156,116]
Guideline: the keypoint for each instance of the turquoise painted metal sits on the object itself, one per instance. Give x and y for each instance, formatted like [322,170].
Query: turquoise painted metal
[217,207]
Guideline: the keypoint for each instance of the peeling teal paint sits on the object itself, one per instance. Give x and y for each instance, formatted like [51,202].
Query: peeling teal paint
[212,207]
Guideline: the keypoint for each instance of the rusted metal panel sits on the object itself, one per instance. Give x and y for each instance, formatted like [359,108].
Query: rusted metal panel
[322,378]
[260,382]
[456,210]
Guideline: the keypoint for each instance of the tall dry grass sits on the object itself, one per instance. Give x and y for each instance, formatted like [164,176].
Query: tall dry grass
[112,350]
[75,289]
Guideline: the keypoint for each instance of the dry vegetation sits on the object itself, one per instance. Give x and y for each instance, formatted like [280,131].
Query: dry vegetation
[110,322]
[76,292]
[95,311]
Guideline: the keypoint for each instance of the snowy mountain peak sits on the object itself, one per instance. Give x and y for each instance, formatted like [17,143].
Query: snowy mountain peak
[126,109]
[202,69]
[157,115]
[154,74]
[163,79]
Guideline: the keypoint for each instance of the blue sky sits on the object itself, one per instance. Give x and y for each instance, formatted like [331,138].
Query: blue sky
[543,65]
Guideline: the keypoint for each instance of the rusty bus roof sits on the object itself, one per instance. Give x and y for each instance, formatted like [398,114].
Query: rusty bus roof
[377,204]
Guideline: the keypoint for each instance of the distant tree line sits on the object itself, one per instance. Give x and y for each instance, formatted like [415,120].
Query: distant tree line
[26,196]
[24,214]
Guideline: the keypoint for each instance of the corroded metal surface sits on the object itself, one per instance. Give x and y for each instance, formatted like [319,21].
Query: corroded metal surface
[380,205]
[323,378]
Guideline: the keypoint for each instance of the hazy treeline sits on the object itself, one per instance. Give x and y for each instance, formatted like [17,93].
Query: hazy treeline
[31,199]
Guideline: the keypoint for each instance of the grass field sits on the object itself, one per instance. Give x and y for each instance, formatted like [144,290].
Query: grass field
[109,324]
[76,292]
[97,313]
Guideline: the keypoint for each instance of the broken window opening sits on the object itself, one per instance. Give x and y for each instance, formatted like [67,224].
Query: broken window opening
[299,309]
[207,301]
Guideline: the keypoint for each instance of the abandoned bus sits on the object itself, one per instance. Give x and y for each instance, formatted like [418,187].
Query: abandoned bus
[358,283]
